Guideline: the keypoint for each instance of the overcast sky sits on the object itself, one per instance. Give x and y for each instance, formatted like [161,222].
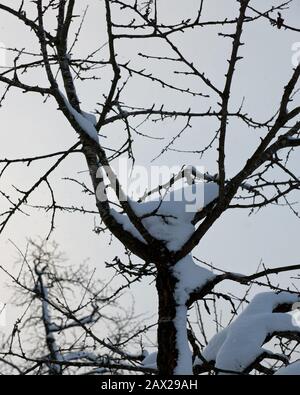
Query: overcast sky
[237,242]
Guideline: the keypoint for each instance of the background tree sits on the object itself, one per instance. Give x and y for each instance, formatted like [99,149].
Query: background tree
[161,233]
[70,323]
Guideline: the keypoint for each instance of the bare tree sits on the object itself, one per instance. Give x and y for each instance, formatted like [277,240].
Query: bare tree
[136,224]
[69,321]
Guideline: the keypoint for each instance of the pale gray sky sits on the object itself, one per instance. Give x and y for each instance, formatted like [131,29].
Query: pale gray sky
[28,127]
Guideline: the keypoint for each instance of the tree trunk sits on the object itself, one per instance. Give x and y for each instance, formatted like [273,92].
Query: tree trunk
[166,333]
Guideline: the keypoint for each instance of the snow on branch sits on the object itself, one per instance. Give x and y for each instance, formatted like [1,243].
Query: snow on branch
[291,370]
[169,218]
[190,277]
[86,121]
[237,347]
